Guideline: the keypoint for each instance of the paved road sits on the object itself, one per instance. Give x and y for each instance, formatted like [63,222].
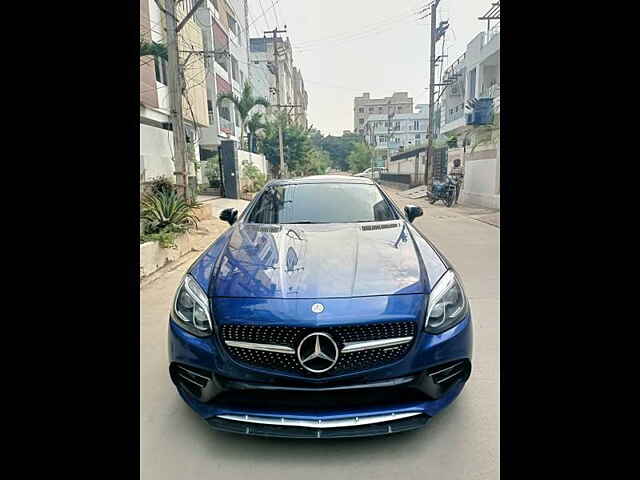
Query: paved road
[462,442]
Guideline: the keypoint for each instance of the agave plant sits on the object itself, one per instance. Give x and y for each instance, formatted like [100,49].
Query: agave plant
[166,210]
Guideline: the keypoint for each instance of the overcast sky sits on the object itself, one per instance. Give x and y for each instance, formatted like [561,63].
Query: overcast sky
[346,47]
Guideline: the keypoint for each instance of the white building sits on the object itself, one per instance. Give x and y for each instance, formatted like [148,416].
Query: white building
[156,136]
[475,74]
[398,132]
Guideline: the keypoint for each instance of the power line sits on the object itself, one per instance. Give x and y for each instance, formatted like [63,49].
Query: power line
[360,30]
[257,18]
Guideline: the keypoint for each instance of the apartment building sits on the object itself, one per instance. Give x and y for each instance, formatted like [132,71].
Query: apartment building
[224,26]
[397,133]
[156,136]
[475,74]
[398,103]
[291,83]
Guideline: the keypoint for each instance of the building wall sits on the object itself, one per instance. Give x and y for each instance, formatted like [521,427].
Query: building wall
[399,102]
[482,178]
[194,106]
[148,93]
[156,147]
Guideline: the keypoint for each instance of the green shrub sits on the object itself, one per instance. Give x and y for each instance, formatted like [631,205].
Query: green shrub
[258,179]
[167,212]
[161,185]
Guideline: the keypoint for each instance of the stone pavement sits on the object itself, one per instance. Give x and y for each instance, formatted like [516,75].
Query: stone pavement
[490,216]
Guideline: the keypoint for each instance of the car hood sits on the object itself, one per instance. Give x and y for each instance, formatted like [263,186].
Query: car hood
[318,261]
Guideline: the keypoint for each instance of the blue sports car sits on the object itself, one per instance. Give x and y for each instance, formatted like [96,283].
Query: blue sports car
[321,313]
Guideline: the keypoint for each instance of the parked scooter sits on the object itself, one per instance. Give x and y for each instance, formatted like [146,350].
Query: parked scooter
[446,190]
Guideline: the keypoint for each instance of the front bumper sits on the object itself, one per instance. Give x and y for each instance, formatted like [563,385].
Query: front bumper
[399,397]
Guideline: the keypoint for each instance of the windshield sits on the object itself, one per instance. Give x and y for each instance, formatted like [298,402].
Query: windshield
[321,203]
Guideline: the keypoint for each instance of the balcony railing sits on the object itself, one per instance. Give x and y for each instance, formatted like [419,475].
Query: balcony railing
[495,30]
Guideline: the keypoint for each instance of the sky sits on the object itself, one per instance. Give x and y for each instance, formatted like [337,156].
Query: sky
[346,47]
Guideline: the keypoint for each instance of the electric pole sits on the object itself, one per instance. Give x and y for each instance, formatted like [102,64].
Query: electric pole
[432,76]
[274,32]
[175,97]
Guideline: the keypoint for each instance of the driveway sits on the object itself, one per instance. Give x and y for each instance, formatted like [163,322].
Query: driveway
[462,442]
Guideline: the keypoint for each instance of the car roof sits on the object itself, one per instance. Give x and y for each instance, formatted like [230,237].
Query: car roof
[321,179]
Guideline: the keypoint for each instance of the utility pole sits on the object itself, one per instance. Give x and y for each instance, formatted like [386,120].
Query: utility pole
[274,32]
[432,76]
[175,97]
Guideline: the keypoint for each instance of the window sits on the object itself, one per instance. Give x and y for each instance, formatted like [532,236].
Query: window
[416,125]
[237,117]
[234,69]
[161,70]
[361,131]
[322,203]
[457,106]
[222,61]
[379,109]
[396,125]
[224,112]
[382,139]
[370,109]
[233,25]
[361,110]
[472,83]
[399,108]
[361,120]
[417,136]
[451,111]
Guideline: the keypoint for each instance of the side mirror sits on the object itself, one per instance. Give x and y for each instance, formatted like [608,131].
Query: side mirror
[412,211]
[229,215]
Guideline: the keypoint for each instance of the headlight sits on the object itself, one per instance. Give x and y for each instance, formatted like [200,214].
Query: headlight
[447,304]
[191,308]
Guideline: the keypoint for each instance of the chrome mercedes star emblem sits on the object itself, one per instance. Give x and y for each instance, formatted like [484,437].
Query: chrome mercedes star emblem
[317,352]
[317,308]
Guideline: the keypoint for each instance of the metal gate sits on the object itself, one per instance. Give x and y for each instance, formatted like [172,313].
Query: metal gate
[439,164]
[228,175]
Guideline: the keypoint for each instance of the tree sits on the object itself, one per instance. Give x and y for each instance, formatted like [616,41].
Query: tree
[254,125]
[296,145]
[339,148]
[317,162]
[243,105]
[360,157]
[152,48]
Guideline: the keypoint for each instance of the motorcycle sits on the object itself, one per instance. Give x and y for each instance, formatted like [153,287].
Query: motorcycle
[447,191]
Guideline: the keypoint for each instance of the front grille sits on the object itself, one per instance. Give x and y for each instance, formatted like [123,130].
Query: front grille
[291,336]
[384,428]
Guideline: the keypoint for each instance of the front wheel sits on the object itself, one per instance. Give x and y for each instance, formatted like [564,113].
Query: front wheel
[433,200]
[452,198]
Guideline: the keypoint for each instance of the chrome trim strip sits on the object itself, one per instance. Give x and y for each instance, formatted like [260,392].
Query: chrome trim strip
[447,369]
[449,377]
[385,342]
[261,346]
[191,372]
[342,422]
[191,380]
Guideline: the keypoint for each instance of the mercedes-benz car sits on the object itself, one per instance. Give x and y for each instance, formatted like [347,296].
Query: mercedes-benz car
[322,312]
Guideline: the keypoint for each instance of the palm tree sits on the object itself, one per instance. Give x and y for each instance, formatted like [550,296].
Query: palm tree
[255,124]
[244,105]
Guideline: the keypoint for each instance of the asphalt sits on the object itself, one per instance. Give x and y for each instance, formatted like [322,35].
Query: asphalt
[462,442]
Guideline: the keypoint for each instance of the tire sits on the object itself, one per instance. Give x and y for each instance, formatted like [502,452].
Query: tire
[452,198]
[432,200]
